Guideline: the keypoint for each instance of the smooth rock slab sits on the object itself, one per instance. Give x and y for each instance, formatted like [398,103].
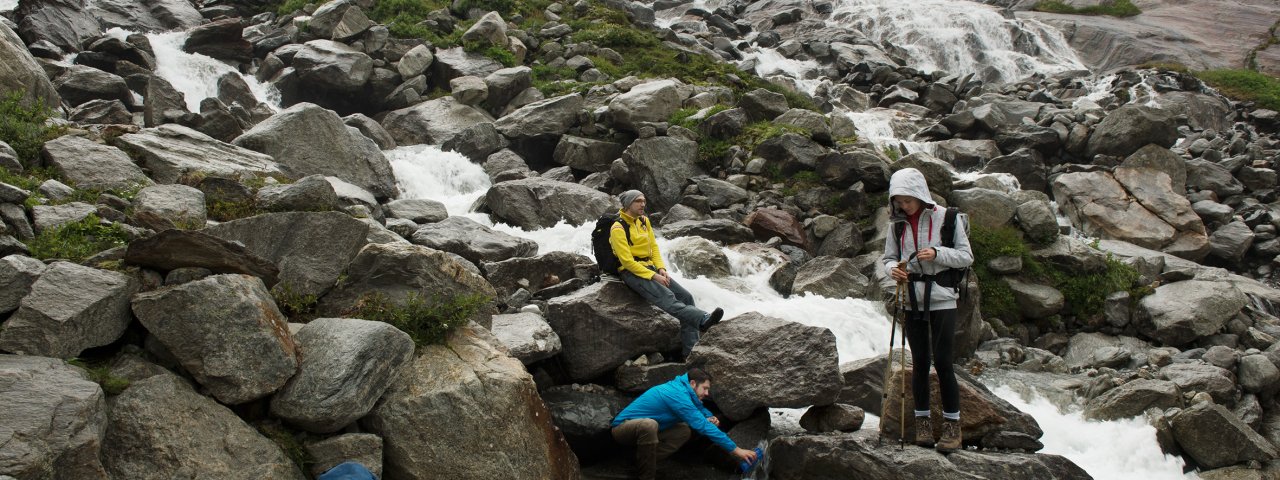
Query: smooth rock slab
[173,249]
[90,165]
[17,274]
[70,308]
[606,324]
[527,336]
[1214,437]
[53,420]
[226,331]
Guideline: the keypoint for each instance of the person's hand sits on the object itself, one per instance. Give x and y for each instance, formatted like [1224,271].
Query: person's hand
[745,455]
[927,254]
[714,421]
[662,279]
[898,274]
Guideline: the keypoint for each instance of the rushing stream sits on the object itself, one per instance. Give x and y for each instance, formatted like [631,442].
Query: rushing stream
[956,36]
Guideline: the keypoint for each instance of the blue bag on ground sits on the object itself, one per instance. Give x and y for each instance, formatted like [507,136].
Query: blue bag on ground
[347,471]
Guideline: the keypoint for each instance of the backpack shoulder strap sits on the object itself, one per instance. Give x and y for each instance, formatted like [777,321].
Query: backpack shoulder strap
[949,227]
[626,230]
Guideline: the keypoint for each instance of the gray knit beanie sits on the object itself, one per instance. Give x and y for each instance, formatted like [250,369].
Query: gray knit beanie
[628,197]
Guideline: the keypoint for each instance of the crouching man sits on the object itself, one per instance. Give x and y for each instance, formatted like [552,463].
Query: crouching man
[660,421]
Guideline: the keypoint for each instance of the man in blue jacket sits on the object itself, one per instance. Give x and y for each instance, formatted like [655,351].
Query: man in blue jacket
[660,421]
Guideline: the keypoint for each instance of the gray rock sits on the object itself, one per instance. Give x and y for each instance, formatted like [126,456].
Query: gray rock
[70,308]
[528,337]
[477,142]
[695,256]
[539,202]
[1208,176]
[761,361]
[1160,158]
[550,117]
[604,325]
[222,39]
[311,248]
[162,103]
[1128,128]
[822,456]
[1034,300]
[468,90]
[416,210]
[1037,219]
[101,112]
[648,102]
[833,418]
[724,231]
[971,154]
[160,427]
[761,104]
[721,194]
[586,154]
[1221,357]
[158,16]
[792,153]
[1087,350]
[831,277]
[1258,374]
[240,351]
[505,85]
[1071,254]
[813,122]
[54,419]
[371,129]
[1214,437]
[172,152]
[581,412]
[987,208]
[1231,241]
[47,217]
[1132,398]
[938,174]
[446,401]
[660,166]
[456,62]
[312,140]
[17,274]
[473,241]
[21,73]
[415,62]
[312,193]
[1195,377]
[348,364]
[536,273]
[432,122]
[1153,189]
[365,448]
[80,84]
[634,378]
[399,271]
[331,66]
[1181,312]
[161,207]
[1026,165]
[175,249]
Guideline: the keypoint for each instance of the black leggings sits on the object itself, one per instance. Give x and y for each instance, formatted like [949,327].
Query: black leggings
[944,332]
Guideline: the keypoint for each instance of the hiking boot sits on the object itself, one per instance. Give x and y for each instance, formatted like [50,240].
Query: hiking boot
[711,320]
[924,432]
[951,437]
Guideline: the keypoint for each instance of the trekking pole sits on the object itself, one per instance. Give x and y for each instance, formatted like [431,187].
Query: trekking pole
[888,364]
[902,367]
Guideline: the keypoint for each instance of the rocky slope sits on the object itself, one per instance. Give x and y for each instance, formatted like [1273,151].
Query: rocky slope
[250,296]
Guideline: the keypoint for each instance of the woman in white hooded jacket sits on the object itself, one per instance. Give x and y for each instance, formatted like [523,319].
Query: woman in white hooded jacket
[931,322]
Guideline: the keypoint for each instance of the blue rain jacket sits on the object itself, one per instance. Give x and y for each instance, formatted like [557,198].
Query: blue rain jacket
[674,402]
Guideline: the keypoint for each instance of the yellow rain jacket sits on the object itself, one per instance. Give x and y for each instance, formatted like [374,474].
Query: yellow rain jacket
[643,250]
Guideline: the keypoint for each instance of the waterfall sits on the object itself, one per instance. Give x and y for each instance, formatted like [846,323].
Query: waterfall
[196,75]
[959,37]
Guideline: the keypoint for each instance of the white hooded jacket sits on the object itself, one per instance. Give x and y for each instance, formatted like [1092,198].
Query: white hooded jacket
[911,182]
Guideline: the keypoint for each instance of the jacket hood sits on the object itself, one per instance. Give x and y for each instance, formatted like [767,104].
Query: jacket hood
[910,182]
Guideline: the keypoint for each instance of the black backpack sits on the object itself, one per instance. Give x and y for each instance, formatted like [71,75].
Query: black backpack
[952,277]
[608,262]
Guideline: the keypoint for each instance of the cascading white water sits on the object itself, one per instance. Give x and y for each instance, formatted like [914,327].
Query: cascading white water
[959,37]
[196,75]
[8,5]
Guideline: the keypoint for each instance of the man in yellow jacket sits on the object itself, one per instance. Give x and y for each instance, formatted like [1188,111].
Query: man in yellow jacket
[643,271]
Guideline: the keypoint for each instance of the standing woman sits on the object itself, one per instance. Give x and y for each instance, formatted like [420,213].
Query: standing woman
[914,253]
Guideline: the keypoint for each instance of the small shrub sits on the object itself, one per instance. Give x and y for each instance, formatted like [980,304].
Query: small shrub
[100,373]
[288,441]
[711,152]
[290,6]
[78,241]
[23,127]
[892,153]
[427,321]
[494,52]
[1117,8]
[1245,85]
[298,307]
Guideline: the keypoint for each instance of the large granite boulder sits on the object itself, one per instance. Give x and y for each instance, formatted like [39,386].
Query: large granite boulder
[1218,382]
[17,274]
[81,84]
[988,420]
[67,24]
[549,117]
[834,456]
[70,308]
[538,202]
[697,256]
[399,271]
[54,419]
[586,154]
[346,366]
[536,273]
[90,165]
[173,249]
[311,248]
[226,331]
[364,448]
[222,39]
[1182,312]
[1100,205]
[660,167]
[1128,128]
[163,207]
[648,102]
[985,207]
[1160,158]
[309,139]
[331,66]
[1133,398]
[761,361]
[473,241]
[21,73]
[152,16]
[466,410]
[434,122]
[162,429]
[527,336]
[1214,437]
[831,277]
[767,223]
[173,152]
[606,324]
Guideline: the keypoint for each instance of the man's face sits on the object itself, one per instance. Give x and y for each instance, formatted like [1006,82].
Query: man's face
[637,207]
[703,390]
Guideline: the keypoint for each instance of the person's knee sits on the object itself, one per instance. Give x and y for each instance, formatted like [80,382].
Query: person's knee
[680,432]
[646,431]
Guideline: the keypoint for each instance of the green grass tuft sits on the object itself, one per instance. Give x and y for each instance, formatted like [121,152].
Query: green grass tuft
[1245,85]
[288,441]
[427,321]
[1116,8]
[78,241]
[101,374]
[23,127]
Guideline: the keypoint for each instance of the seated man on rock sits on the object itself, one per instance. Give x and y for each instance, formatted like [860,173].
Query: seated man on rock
[660,421]
[635,244]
